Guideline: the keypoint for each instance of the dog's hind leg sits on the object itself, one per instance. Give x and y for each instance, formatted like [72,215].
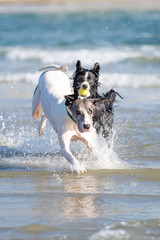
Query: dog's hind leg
[42,125]
[37,110]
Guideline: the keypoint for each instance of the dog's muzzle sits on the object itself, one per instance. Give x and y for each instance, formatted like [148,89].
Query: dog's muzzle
[86,127]
[85,86]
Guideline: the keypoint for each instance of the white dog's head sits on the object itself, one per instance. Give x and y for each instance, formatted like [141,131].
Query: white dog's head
[82,111]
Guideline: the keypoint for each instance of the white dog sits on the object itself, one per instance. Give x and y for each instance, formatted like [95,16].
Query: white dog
[70,118]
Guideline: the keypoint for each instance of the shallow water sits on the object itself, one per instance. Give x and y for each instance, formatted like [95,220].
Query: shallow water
[118,197]
[98,205]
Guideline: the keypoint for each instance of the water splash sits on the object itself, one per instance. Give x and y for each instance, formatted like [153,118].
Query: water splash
[104,156]
[26,149]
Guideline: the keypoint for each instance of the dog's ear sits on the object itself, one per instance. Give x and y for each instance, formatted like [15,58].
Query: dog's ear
[112,95]
[69,99]
[96,68]
[97,101]
[78,66]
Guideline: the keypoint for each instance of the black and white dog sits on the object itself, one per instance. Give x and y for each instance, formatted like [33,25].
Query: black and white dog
[103,115]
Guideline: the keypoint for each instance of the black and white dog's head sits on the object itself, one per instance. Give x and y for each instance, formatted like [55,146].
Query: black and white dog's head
[86,81]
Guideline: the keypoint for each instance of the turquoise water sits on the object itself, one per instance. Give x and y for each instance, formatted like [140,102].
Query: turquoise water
[118,198]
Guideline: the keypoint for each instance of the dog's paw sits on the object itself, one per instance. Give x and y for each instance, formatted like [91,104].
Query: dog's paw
[78,168]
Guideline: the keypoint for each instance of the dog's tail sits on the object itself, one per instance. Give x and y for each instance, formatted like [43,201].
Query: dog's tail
[62,68]
[37,110]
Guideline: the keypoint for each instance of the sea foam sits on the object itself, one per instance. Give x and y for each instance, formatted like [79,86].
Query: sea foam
[118,64]
[104,55]
[108,81]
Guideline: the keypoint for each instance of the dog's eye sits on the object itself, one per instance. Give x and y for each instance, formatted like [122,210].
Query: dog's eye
[81,79]
[78,112]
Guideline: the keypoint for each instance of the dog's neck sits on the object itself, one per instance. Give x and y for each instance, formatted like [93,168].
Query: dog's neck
[69,113]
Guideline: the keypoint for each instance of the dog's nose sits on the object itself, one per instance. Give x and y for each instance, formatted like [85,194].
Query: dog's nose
[84,86]
[87,126]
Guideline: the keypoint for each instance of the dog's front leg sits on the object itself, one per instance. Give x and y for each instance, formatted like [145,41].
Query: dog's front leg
[64,141]
[89,139]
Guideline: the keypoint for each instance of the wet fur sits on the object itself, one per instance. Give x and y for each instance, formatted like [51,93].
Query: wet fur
[50,102]
[103,115]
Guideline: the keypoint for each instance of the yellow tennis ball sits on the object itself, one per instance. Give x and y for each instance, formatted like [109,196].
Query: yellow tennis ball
[83,92]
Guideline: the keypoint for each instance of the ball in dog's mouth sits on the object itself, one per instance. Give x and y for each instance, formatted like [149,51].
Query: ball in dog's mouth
[83,92]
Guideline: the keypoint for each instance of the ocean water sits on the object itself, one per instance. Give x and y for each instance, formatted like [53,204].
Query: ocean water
[119,196]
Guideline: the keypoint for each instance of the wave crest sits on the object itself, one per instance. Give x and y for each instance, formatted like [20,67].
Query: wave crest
[108,81]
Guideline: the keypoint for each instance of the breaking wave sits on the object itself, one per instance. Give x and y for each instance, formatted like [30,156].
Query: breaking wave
[108,81]
[148,229]
[118,65]
[104,55]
